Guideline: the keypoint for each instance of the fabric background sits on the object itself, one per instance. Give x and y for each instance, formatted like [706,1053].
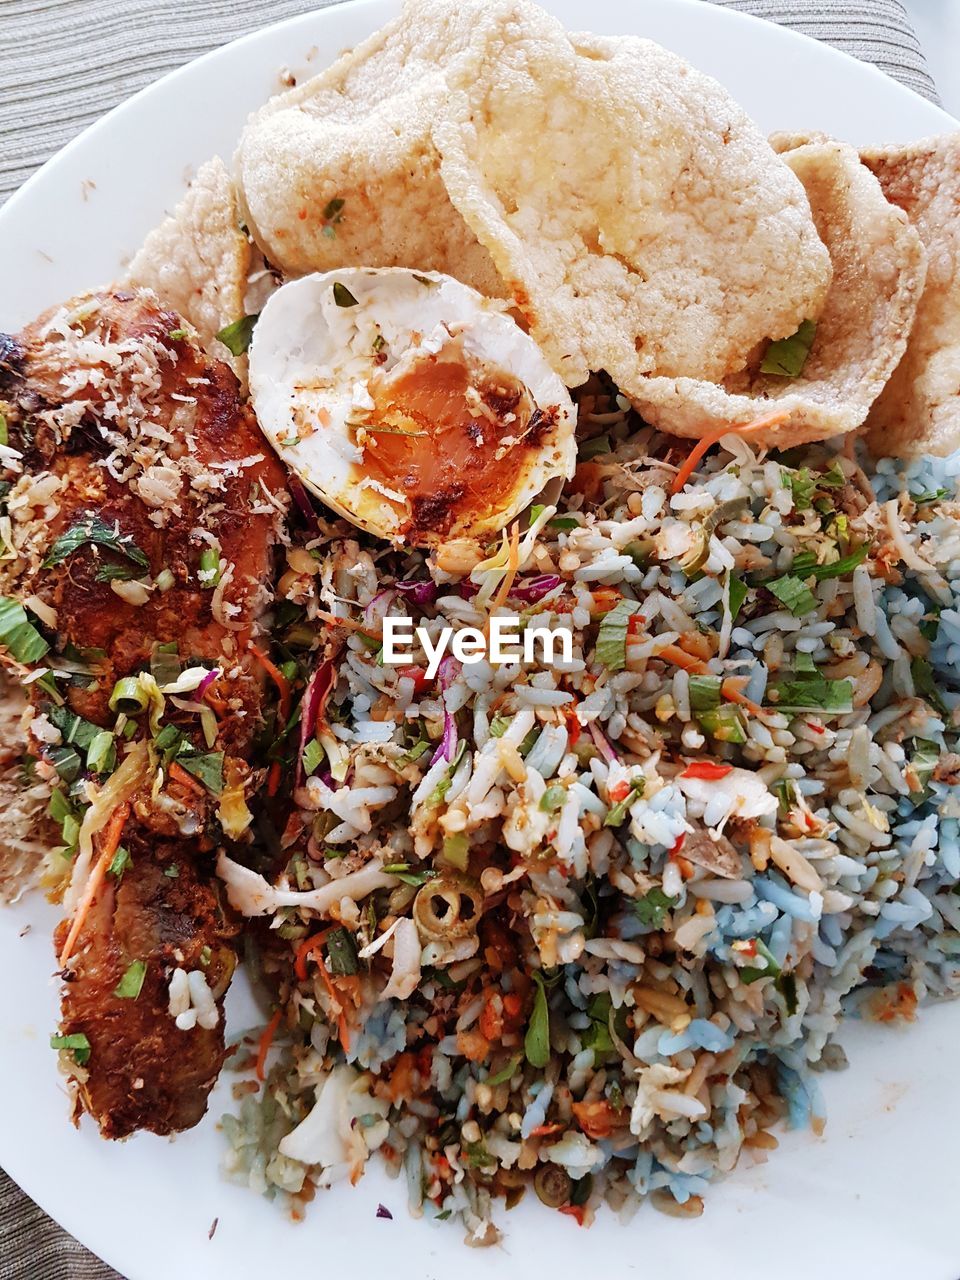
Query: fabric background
[66,62]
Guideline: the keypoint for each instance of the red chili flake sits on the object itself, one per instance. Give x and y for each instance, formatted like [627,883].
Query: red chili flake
[384,1212]
[619,791]
[574,1211]
[708,770]
[678,844]
[817,728]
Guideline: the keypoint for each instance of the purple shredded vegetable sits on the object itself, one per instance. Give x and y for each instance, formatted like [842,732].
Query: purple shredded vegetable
[384,1212]
[447,672]
[533,589]
[314,696]
[300,496]
[602,744]
[467,589]
[378,606]
[421,592]
[207,681]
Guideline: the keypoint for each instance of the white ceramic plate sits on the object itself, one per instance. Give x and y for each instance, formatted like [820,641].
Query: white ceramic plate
[873,1197]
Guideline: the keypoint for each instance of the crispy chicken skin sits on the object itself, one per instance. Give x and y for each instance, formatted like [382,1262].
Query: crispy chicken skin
[116,416]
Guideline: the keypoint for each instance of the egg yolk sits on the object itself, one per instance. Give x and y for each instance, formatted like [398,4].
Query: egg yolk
[452,442]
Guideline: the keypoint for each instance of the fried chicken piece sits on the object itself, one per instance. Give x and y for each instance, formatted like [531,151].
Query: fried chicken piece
[143,508]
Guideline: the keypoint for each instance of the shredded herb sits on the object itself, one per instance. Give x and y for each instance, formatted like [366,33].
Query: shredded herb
[617,815]
[787,356]
[597,1035]
[130,985]
[611,650]
[805,564]
[341,952]
[18,634]
[794,593]
[236,337]
[653,907]
[736,594]
[553,799]
[121,861]
[724,724]
[536,1042]
[704,693]
[770,968]
[505,1073]
[564,522]
[403,873]
[593,447]
[342,295]
[207,769]
[925,685]
[95,531]
[810,691]
[802,485]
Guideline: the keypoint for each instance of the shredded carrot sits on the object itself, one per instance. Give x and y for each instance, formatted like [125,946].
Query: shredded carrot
[273,778]
[305,950]
[707,442]
[732,690]
[213,699]
[513,564]
[278,678]
[266,1040]
[680,658]
[179,774]
[108,847]
[342,1026]
[348,624]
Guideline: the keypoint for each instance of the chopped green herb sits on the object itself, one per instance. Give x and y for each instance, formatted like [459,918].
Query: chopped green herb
[611,650]
[4,434]
[653,907]
[121,861]
[787,356]
[786,984]
[597,1036]
[172,872]
[793,593]
[177,335]
[210,569]
[66,761]
[207,769]
[236,337]
[505,1073]
[403,873]
[925,686]
[769,968]
[929,495]
[704,693]
[333,211]
[593,447]
[640,552]
[553,799]
[312,757]
[130,985]
[73,729]
[923,762]
[806,692]
[102,753]
[341,952]
[18,635]
[113,572]
[832,479]
[499,726]
[535,513]
[95,531]
[77,1044]
[805,565]
[724,724]
[564,522]
[342,295]
[536,1042]
[477,1155]
[736,594]
[415,752]
[802,485]
[617,814]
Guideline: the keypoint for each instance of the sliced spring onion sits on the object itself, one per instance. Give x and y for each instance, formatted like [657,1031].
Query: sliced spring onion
[805,566]
[786,357]
[724,724]
[456,850]
[770,969]
[121,861]
[18,635]
[164,580]
[129,696]
[209,566]
[131,984]
[77,1044]
[313,756]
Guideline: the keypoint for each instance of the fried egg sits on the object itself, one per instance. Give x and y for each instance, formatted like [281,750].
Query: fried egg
[413,406]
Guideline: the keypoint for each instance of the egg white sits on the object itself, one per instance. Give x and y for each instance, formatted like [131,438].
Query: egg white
[311,359]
